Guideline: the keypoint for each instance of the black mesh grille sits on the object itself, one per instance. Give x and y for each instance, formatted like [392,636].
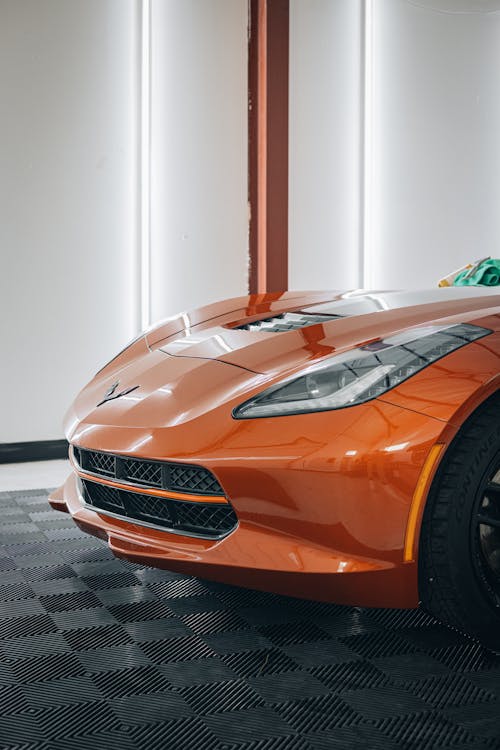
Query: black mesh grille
[193,479]
[102,463]
[142,472]
[204,519]
[168,476]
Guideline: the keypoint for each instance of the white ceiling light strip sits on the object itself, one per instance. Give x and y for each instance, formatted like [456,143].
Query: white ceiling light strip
[145,171]
[367,197]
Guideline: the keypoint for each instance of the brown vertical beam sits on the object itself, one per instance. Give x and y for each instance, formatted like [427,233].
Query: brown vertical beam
[268,51]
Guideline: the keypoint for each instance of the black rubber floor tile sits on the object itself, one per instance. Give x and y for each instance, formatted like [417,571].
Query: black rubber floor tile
[468,715]
[7,563]
[267,672]
[61,692]
[190,733]
[12,591]
[188,605]
[49,573]
[133,681]
[356,675]
[435,637]
[13,699]
[91,568]
[117,739]
[408,667]
[70,601]
[44,560]
[489,679]
[125,595]
[140,611]
[215,622]
[23,626]
[86,554]
[89,717]
[320,653]
[179,588]
[385,701]
[7,676]
[21,608]
[56,535]
[85,639]
[347,623]
[18,729]
[113,658]
[83,618]
[424,731]
[60,586]
[466,657]
[111,580]
[287,742]
[177,649]
[449,690]
[276,614]
[197,672]
[51,667]
[262,722]
[155,575]
[157,630]
[320,713]
[214,697]
[291,633]
[149,709]
[358,737]
[377,644]
[401,619]
[34,645]
[258,663]
[240,640]
[287,686]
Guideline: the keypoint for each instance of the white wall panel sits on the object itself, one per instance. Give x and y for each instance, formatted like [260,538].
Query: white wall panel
[67,237]
[325,139]
[199,215]
[436,145]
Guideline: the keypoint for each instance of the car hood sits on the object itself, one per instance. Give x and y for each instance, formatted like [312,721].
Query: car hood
[187,368]
[288,335]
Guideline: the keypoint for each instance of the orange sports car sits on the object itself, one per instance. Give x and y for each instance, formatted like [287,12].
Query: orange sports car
[336,446]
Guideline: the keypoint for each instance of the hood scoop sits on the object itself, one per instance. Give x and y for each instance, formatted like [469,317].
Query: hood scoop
[287,321]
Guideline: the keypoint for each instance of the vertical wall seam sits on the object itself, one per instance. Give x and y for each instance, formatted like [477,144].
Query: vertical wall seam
[366,132]
[145,165]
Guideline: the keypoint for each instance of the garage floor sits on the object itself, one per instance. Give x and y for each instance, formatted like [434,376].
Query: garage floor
[96,652]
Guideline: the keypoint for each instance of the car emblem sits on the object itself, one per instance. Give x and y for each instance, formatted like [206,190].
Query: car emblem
[110,394]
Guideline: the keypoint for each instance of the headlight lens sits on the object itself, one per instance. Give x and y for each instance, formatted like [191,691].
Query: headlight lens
[360,375]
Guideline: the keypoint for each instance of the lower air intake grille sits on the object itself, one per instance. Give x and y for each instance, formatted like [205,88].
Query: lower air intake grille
[195,480]
[211,520]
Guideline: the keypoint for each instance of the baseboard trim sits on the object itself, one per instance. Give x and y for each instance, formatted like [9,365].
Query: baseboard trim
[39,450]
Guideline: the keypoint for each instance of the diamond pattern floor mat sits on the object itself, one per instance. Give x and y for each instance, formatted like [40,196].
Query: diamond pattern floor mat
[100,653]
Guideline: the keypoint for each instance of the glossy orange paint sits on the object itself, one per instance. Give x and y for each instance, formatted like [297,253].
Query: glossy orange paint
[323,500]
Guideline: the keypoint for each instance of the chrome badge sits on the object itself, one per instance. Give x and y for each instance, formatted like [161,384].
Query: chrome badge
[110,394]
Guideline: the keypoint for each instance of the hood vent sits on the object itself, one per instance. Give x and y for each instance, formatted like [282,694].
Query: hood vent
[286,322]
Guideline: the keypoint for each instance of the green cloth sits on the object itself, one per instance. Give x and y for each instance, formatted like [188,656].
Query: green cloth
[487,274]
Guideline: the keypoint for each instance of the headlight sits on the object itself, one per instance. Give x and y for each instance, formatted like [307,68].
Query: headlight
[360,374]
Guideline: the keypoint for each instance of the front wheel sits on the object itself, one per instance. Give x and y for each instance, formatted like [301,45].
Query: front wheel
[459,561]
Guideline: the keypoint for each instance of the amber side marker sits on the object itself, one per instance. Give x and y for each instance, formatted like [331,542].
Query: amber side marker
[418,498]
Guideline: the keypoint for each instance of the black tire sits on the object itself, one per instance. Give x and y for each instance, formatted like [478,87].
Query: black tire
[459,560]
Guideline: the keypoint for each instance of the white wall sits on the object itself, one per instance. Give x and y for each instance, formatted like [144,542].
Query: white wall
[433,124]
[67,243]
[436,144]
[199,215]
[325,139]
